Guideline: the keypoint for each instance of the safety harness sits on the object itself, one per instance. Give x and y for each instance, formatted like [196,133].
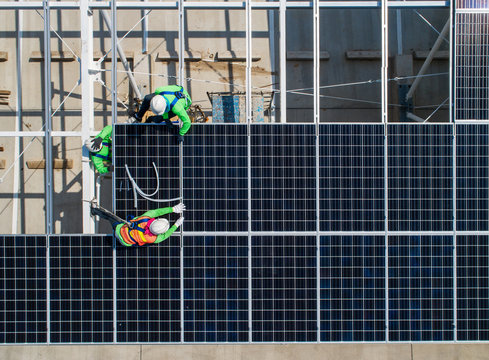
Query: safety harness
[178,95]
[134,225]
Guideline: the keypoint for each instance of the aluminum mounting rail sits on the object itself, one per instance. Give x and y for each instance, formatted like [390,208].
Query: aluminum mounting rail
[5,5]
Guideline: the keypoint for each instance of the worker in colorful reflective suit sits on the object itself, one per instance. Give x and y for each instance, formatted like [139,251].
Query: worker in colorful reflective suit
[165,103]
[146,229]
[100,148]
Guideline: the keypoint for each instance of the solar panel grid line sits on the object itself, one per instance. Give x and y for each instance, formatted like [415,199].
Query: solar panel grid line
[81,289]
[23,294]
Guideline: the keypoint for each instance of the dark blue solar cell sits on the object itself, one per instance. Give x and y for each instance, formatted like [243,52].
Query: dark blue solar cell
[23,289]
[81,288]
[421,288]
[138,147]
[283,177]
[148,293]
[215,173]
[216,289]
[472,177]
[472,288]
[352,271]
[351,177]
[420,177]
[284,289]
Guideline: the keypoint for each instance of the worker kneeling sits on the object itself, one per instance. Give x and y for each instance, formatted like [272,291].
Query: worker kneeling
[165,103]
[143,230]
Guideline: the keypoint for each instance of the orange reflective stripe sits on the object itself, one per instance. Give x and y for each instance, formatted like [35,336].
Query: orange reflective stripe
[136,236]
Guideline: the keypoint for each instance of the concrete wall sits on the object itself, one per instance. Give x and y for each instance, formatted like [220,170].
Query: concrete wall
[252,352]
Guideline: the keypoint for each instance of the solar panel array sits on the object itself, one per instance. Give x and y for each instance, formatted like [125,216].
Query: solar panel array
[471,51]
[403,263]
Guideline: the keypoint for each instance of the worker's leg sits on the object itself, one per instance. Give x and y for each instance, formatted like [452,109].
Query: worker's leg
[144,106]
[96,211]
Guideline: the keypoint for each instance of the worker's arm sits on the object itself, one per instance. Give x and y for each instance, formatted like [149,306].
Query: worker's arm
[158,212]
[166,235]
[106,132]
[182,114]
[99,164]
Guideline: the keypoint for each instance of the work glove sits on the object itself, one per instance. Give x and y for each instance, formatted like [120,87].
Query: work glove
[179,221]
[133,116]
[154,119]
[97,144]
[170,125]
[179,138]
[110,167]
[178,209]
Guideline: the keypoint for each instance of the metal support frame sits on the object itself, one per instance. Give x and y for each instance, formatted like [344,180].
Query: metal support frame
[120,50]
[48,141]
[429,58]
[87,63]
[283,61]
[181,80]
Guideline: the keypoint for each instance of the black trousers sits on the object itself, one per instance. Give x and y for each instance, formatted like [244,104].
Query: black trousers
[114,220]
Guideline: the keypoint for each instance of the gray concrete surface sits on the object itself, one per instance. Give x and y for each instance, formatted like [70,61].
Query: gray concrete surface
[250,352]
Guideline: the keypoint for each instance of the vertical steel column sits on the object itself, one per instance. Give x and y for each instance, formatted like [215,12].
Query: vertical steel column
[48,141]
[181,80]
[48,154]
[317,109]
[87,63]
[451,64]
[384,102]
[18,123]
[248,122]
[145,30]
[316,63]
[454,169]
[113,38]
[283,61]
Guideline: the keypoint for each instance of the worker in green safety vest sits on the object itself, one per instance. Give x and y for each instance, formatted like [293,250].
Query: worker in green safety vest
[100,148]
[166,102]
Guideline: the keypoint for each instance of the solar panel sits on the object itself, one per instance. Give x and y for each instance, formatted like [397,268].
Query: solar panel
[148,292]
[471,64]
[420,177]
[351,183]
[283,177]
[352,288]
[216,178]
[216,289]
[23,301]
[472,177]
[283,288]
[472,288]
[81,288]
[421,288]
[139,146]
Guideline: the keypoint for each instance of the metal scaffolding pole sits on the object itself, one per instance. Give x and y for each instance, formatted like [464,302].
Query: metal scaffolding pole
[87,99]
[48,141]
[283,61]
[120,50]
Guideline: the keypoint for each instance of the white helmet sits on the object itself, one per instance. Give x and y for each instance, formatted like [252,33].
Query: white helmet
[158,105]
[159,226]
[91,146]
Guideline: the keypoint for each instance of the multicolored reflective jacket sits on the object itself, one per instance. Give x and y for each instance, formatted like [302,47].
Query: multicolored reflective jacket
[103,158]
[140,235]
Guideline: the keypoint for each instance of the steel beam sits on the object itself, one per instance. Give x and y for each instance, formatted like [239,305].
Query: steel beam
[7,5]
[87,99]
[283,61]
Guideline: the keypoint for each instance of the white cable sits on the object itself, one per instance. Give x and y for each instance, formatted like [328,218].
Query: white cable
[439,106]
[431,26]
[137,190]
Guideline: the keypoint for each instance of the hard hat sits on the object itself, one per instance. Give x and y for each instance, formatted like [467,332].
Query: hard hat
[89,143]
[158,105]
[159,226]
